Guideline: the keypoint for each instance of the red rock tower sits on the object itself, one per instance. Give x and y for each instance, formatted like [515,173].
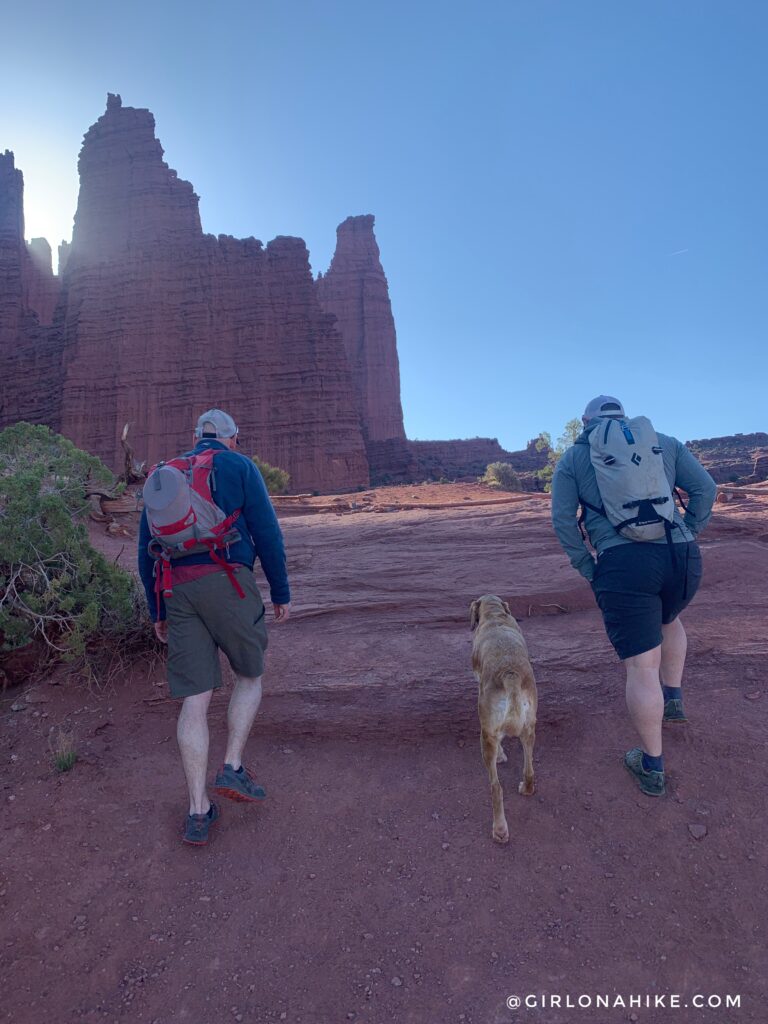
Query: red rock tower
[161,322]
[355,291]
[29,356]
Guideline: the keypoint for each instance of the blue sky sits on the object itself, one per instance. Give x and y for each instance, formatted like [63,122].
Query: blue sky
[570,197]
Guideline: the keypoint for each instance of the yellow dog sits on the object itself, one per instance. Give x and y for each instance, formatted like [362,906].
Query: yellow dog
[507,697]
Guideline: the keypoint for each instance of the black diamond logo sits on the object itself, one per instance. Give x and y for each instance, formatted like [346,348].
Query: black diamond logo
[636,459]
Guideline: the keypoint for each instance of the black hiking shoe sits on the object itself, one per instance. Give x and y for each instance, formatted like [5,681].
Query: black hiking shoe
[198,826]
[651,783]
[238,785]
[673,711]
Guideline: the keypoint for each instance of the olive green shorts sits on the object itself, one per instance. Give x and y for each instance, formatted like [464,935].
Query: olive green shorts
[206,615]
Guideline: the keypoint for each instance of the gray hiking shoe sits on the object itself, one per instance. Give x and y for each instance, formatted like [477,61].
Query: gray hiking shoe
[673,711]
[198,826]
[651,783]
[238,785]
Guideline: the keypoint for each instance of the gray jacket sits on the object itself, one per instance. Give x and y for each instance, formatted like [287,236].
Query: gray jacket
[574,480]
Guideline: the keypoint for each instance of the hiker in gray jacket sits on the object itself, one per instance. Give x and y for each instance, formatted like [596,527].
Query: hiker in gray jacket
[647,566]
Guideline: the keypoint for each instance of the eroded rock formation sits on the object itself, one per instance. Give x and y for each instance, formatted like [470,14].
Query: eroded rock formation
[456,459]
[157,321]
[150,321]
[356,292]
[29,352]
[739,459]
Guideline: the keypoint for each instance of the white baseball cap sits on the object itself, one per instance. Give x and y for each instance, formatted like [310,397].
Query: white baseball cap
[603,405]
[222,423]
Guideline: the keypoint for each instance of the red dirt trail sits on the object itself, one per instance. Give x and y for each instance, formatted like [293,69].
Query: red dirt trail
[367,887]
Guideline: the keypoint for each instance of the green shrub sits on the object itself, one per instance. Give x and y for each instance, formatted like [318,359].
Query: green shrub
[275,479]
[502,476]
[568,437]
[55,589]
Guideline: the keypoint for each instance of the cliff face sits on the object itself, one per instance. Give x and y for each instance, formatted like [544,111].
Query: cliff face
[161,322]
[356,293]
[30,366]
[454,459]
[151,321]
[739,458]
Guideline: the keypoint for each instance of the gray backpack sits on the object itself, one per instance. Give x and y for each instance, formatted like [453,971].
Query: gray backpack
[629,466]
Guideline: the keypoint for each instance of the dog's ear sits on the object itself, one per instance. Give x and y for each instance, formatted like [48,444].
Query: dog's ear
[474,614]
[507,609]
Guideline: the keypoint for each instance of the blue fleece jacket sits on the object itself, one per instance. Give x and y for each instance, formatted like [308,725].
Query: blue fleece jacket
[238,485]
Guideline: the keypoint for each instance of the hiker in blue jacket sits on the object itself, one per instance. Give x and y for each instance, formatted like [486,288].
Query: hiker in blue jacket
[641,588]
[209,600]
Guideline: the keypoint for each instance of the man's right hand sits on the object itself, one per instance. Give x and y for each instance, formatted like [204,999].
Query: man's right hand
[282,612]
[161,631]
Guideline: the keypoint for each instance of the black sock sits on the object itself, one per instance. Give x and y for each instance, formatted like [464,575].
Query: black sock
[672,692]
[237,771]
[653,764]
[210,811]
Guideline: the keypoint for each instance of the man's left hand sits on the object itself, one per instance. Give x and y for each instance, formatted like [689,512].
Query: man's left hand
[161,631]
[282,611]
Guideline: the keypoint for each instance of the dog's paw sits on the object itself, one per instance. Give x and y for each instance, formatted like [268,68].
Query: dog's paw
[526,788]
[501,835]
[501,757]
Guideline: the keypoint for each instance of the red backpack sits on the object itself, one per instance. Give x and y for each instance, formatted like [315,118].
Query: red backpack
[184,519]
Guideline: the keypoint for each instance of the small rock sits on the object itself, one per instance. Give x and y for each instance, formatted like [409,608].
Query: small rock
[367,935]
[18,706]
[633,1016]
[205,899]
[697,831]
[446,846]
[755,695]
[397,982]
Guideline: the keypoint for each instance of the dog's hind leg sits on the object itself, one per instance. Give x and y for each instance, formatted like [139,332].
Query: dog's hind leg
[489,747]
[527,739]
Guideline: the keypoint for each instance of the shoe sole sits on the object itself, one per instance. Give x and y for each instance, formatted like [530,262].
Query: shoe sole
[237,796]
[645,792]
[675,721]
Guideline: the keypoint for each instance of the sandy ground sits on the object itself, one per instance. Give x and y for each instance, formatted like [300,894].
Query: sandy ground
[367,888]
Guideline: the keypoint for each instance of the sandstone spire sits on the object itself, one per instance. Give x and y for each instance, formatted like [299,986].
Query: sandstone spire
[29,356]
[161,321]
[355,290]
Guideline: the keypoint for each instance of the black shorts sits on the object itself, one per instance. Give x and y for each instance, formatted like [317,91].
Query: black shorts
[639,587]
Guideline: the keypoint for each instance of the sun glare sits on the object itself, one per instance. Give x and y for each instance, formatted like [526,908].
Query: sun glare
[50,194]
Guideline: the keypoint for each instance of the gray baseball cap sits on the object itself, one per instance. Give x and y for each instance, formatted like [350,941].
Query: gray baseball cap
[222,423]
[603,405]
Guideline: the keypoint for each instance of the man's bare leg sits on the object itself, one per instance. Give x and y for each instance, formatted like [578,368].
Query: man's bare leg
[674,647]
[243,705]
[644,698]
[192,734]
